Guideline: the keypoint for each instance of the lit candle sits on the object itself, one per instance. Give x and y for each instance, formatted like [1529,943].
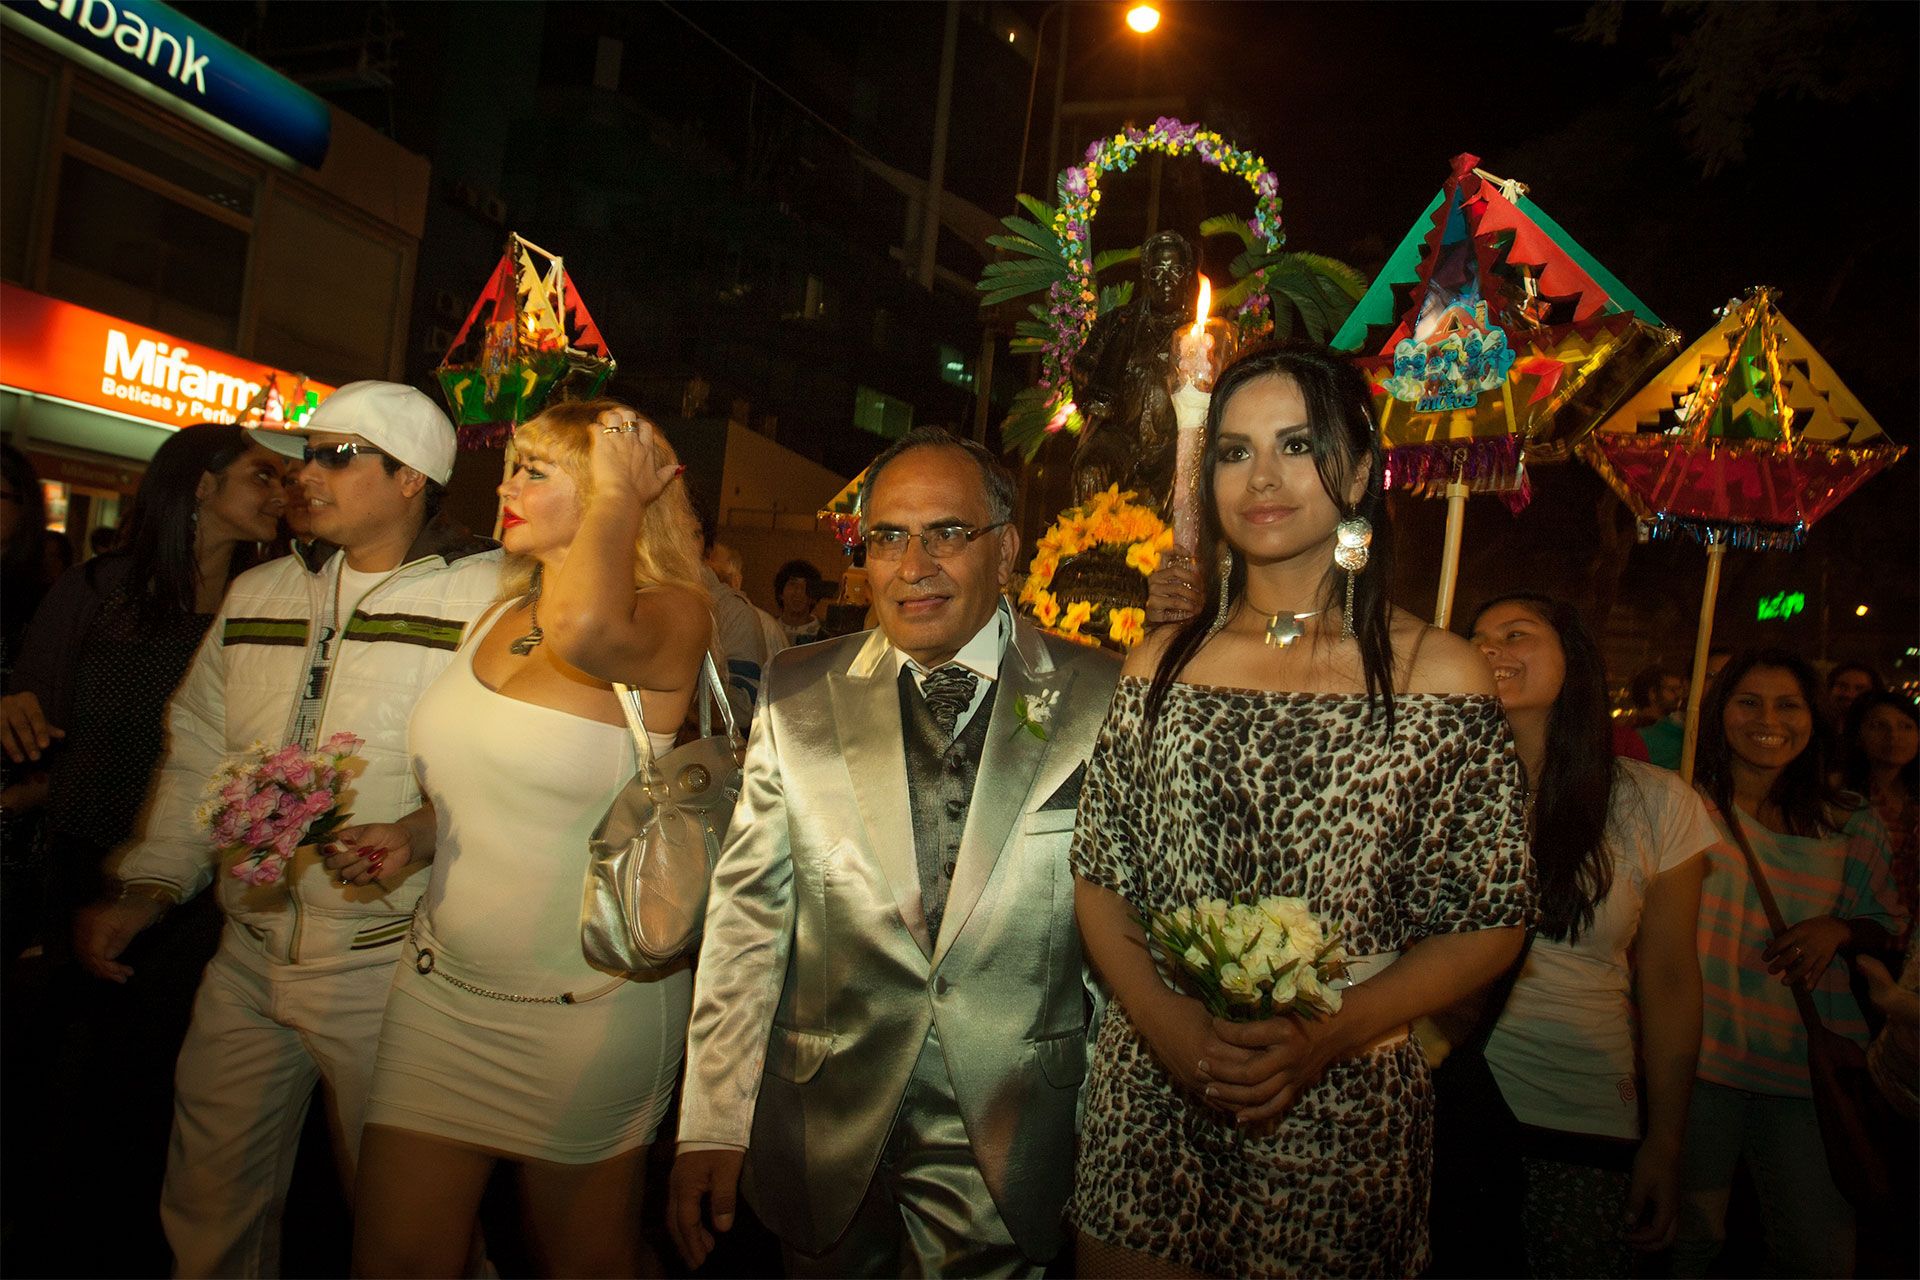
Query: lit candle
[1198,353]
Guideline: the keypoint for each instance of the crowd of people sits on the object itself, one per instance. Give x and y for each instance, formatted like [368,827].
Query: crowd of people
[925,1032]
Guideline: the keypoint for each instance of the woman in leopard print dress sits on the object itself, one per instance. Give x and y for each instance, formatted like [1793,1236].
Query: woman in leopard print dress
[1365,767]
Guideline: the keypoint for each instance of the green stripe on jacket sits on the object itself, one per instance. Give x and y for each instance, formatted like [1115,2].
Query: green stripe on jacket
[264,631]
[406,628]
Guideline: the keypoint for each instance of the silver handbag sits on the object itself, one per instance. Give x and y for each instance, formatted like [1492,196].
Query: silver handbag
[651,858]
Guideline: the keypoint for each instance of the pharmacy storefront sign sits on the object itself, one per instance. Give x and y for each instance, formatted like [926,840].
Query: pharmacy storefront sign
[57,350]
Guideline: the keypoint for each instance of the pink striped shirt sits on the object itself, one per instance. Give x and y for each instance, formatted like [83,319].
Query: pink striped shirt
[1751,1035]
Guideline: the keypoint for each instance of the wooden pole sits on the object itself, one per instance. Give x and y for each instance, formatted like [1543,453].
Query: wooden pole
[1450,551]
[1702,641]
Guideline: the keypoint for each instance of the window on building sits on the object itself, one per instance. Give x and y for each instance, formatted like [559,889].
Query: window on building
[146,227]
[123,249]
[23,109]
[880,413]
[954,368]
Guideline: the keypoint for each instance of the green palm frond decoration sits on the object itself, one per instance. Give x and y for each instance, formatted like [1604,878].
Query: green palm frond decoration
[1318,290]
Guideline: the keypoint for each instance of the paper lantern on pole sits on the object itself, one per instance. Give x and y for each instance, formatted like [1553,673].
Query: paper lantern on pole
[1746,440]
[1492,340]
[842,512]
[528,337]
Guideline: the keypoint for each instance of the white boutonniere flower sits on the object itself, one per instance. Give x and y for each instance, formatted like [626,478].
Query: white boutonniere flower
[1033,711]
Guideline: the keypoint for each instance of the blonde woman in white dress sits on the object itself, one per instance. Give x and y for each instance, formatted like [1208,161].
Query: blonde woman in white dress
[501,1042]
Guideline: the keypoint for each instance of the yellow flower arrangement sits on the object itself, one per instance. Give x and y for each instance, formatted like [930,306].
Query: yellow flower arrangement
[1110,519]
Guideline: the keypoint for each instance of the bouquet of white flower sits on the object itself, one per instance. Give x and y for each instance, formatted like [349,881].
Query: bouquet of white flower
[1251,961]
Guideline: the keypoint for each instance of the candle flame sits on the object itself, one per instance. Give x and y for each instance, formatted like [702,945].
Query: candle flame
[1200,307]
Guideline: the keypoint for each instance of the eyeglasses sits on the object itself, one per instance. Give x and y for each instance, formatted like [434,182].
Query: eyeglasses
[335,457]
[942,543]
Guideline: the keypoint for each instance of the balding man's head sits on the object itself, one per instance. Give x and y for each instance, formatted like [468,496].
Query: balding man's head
[726,565]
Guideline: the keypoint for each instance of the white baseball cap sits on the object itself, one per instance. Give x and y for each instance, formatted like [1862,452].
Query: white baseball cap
[399,421]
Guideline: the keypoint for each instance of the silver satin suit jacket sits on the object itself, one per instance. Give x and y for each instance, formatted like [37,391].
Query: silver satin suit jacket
[817,980]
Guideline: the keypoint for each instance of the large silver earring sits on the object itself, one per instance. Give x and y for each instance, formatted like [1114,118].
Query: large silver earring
[1351,540]
[1226,579]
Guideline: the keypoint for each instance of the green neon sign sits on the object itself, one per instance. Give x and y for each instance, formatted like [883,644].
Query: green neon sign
[1783,605]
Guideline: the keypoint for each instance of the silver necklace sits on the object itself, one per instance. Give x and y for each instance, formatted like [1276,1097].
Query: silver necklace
[1284,628]
[527,643]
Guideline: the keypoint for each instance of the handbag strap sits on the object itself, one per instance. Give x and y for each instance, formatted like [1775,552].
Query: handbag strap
[1802,998]
[707,686]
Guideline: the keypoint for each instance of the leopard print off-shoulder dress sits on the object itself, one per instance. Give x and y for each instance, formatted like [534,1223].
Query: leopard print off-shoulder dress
[1235,794]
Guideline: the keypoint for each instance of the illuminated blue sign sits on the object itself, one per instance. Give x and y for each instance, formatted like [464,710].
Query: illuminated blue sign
[146,41]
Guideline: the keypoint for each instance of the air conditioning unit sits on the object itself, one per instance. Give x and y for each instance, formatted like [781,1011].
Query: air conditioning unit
[440,341]
[446,305]
[495,209]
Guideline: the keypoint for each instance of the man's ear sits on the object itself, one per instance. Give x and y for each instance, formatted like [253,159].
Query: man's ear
[1009,553]
[412,482]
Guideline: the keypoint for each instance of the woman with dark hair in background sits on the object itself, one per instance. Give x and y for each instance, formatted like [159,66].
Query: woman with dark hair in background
[23,533]
[1880,761]
[112,640]
[1617,848]
[1762,767]
[23,580]
[1296,736]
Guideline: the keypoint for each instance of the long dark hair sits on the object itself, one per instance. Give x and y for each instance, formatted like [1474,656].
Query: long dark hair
[25,563]
[1575,790]
[1807,800]
[1343,438]
[1856,771]
[157,536]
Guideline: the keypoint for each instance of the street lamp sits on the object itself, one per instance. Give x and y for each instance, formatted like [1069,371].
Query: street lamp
[1142,18]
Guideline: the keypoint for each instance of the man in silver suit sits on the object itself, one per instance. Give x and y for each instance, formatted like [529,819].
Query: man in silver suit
[891,1018]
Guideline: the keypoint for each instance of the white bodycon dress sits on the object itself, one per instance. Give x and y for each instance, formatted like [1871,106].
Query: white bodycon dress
[517,788]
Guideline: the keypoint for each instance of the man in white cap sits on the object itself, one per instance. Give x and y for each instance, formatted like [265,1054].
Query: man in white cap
[343,636]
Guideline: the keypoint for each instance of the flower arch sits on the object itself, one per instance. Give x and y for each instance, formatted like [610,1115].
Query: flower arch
[1072,302]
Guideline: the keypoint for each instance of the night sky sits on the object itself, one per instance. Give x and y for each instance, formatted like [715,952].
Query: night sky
[1358,107]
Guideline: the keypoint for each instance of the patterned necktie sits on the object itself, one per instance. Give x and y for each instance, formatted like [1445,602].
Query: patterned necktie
[948,692]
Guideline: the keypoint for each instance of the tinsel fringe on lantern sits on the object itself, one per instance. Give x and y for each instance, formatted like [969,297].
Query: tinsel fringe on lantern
[1486,466]
[1744,537]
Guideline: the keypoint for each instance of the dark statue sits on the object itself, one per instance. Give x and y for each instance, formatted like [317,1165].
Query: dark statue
[1120,379]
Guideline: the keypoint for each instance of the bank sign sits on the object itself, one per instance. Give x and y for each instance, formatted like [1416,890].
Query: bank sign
[53,348]
[149,44]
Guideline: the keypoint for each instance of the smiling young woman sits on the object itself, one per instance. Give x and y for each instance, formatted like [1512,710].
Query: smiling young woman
[1763,769]
[1604,1010]
[1296,735]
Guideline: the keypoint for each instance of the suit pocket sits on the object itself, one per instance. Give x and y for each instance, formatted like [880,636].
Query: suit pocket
[1063,1058]
[797,1055]
[1047,821]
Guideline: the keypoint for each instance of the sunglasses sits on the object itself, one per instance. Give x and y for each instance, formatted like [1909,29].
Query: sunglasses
[335,457]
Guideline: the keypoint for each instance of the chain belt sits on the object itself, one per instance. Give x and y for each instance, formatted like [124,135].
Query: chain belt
[424,963]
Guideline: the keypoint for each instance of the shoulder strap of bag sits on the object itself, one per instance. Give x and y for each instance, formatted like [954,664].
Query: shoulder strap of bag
[707,689]
[1802,998]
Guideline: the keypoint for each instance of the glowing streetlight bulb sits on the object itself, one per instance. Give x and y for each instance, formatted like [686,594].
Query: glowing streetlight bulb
[1143,18]
[1860,612]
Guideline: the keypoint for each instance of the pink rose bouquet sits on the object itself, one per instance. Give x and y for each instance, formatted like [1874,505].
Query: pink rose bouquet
[263,805]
